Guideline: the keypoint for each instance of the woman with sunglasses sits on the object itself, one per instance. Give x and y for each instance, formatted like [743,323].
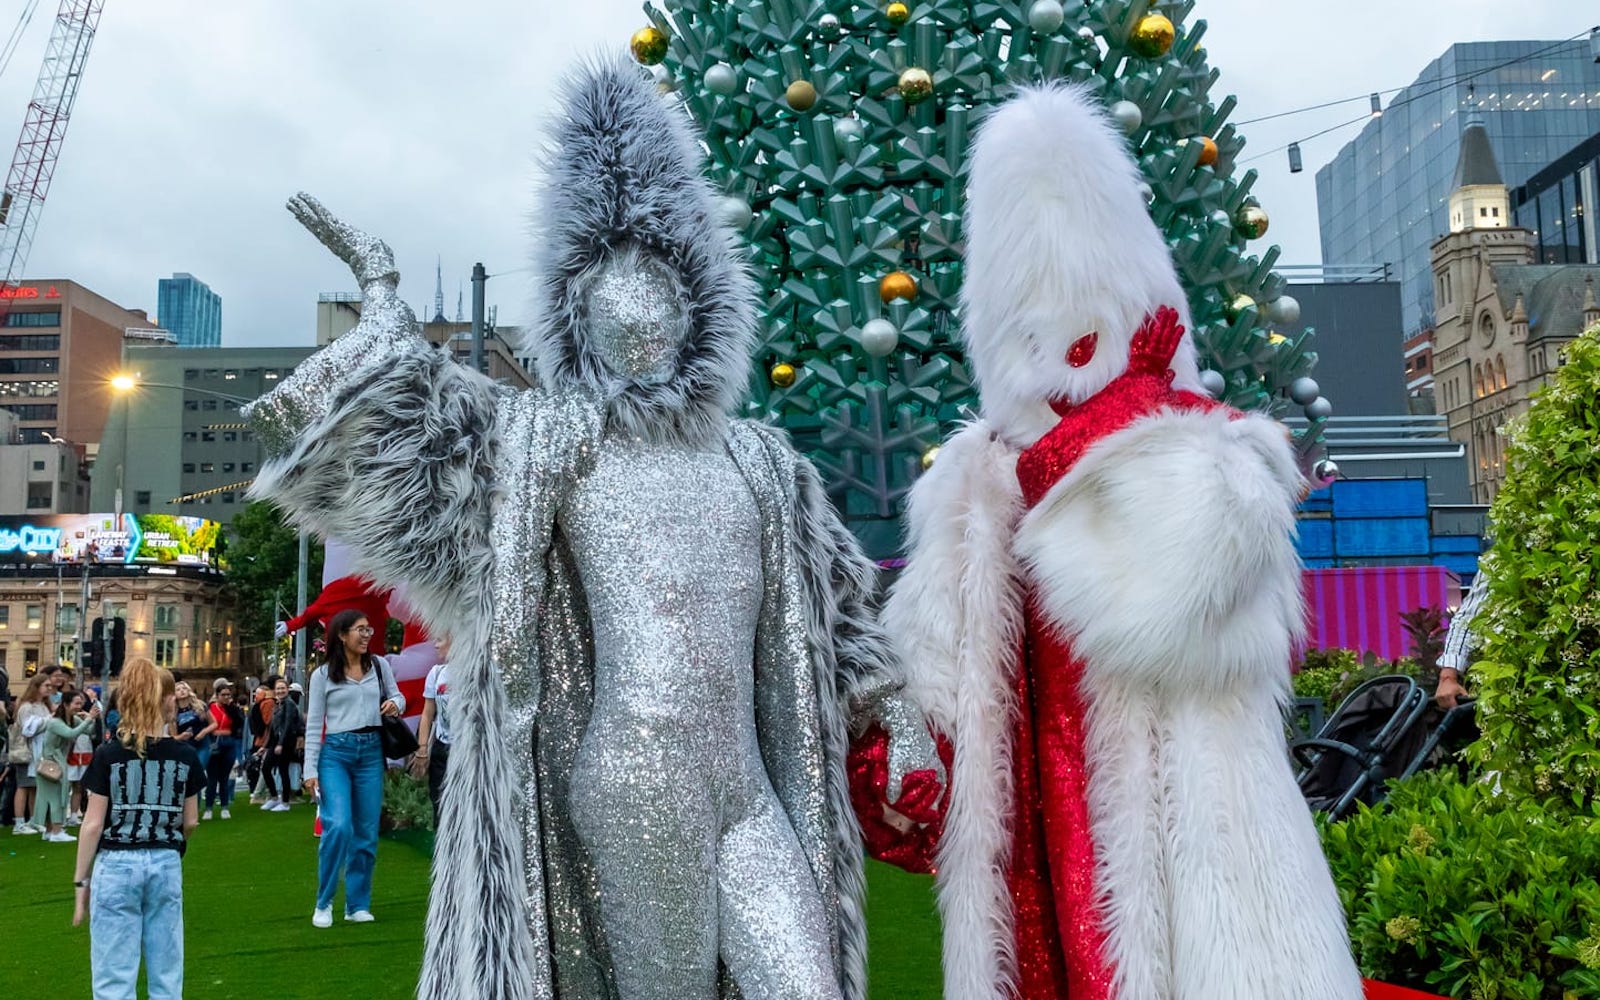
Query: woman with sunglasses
[344,763]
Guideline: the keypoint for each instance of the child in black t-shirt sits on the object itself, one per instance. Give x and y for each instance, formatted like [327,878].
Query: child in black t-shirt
[143,801]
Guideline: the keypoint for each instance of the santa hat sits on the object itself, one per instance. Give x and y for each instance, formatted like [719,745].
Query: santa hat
[1060,245]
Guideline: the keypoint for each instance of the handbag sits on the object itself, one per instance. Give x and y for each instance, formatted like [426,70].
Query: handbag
[19,751]
[394,735]
[50,769]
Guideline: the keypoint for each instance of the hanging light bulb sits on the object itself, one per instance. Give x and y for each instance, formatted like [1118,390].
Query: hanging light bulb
[1295,164]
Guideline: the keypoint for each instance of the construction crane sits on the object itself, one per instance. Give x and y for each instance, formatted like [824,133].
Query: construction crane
[39,147]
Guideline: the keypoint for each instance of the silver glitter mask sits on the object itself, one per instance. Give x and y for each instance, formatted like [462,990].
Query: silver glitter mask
[637,320]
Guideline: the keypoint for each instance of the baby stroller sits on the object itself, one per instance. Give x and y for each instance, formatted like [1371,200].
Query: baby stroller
[1386,729]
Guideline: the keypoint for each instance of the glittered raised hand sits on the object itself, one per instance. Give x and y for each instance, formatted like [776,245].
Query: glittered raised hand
[370,258]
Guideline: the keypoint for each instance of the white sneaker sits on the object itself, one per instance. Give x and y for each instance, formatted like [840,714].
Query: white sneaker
[271,805]
[322,917]
[60,838]
[206,814]
[74,820]
[256,800]
[279,807]
[359,917]
[24,830]
[226,814]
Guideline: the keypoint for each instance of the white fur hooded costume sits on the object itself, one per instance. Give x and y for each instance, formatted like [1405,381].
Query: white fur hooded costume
[1164,557]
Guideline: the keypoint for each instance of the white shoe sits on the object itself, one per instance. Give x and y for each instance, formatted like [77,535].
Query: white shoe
[60,838]
[322,917]
[24,830]
[226,814]
[206,814]
[74,820]
[359,917]
[271,805]
[279,807]
[256,800]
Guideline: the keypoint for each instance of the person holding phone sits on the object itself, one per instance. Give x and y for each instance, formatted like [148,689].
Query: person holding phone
[68,722]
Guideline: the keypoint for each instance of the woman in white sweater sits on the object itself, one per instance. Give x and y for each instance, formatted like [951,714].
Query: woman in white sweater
[344,763]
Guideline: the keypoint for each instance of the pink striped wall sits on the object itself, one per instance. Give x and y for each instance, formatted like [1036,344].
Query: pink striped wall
[1360,609]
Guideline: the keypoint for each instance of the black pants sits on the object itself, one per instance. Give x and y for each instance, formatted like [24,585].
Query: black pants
[438,760]
[275,770]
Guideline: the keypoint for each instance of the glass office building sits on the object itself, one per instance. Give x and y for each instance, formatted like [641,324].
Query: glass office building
[1559,204]
[1384,199]
[188,307]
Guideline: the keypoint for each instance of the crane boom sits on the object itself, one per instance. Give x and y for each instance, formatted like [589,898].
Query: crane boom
[43,130]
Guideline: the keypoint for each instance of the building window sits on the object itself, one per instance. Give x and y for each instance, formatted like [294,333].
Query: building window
[30,660]
[35,616]
[192,405]
[29,366]
[40,496]
[1500,372]
[190,436]
[270,375]
[247,435]
[142,498]
[208,404]
[208,435]
[247,466]
[230,374]
[44,317]
[5,617]
[230,435]
[67,618]
[33,411]
[227,498]
[208,467]
[35,388]
[188,467]
[166,651]
[211,373]
[38,467]
[227,466]
[166,617]
[189,374]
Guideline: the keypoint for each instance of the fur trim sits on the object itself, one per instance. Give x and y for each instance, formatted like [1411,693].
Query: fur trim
[1167,553]
[623,174]
[1059,243]
[956,617]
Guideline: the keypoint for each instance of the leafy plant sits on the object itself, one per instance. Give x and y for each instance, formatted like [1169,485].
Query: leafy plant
[1540,624]
[405,802]
[1331,674]
[1465,890]
[1426,629]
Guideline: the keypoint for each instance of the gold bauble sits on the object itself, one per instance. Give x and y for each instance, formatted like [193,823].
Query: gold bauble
[897,285]
[1251,222]
[1276,338]
[929,457]
[783,375]
[1208,150]
[649,45]
[916,85]
[1152,36]
[801,95]
[1240,304]
[898,13]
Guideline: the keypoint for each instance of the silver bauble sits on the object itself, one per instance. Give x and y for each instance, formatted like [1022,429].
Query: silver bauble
[1045,16]
[663,77]
[1086,34]
[1319,408]
[1284,310]
[734,212]
[1213,383]
[829,28]
[1127,116]
[879,337]
[1324,473]
[1304,390]
[722,79]
[848,128]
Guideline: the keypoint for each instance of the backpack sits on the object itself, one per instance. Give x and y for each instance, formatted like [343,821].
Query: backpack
[19,751]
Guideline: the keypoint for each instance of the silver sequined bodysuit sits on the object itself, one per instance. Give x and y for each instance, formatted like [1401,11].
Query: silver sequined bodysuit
[695,856]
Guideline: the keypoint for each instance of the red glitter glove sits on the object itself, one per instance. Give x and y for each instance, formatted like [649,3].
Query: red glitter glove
[1156,343]
[906,832]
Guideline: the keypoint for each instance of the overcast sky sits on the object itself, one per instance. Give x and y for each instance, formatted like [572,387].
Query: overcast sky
[197,118]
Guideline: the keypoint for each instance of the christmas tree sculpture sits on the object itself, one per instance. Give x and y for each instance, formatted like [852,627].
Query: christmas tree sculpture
[839,131]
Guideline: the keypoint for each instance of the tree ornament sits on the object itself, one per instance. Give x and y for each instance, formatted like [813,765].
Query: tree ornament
[879,337]
[1208,150]
[783,375]
[916,85]
[1276,339]
[722,79]
[1127,116]
[929,457]
[848,128]
[735,212]
[1284,310]
[666,83]
[1240,304]
[1252,222]
[1045,16]
[1304,389]
[1319,409]
[1085,33]
[648,45]
[1324,473]
[1153,36]
[830,28]
[801,95]
[897,285]
[1213,383]
[897,13]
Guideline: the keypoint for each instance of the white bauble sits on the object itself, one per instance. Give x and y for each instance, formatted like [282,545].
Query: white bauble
[722,79]
[879,337]
[1127,116]
[1045,16]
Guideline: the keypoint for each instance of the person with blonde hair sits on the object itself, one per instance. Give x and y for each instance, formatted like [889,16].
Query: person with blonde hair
[144,789]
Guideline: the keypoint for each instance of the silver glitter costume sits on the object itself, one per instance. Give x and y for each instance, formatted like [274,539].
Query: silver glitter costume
[671,634]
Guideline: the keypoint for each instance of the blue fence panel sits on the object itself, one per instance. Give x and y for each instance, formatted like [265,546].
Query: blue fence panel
[1469,545]
[1316,537]
[1380,498]
[1466,567]
[1390,536]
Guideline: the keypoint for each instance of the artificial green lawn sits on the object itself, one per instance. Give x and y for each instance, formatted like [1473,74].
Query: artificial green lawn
[249,884]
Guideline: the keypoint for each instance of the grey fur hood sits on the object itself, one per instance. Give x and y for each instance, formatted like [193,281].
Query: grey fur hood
[623,171]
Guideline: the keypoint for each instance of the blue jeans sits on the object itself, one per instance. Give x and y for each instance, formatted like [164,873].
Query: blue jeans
[350,778]
[136,905]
